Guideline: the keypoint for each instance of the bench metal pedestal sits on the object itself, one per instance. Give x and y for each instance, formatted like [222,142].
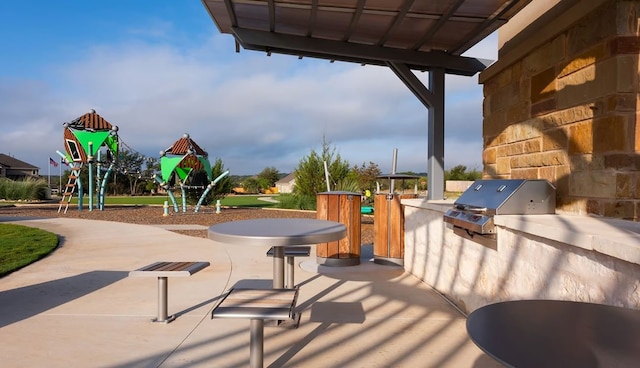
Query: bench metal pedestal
[162,270]
[257,305]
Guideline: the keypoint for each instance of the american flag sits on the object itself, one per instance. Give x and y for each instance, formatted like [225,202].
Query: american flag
[53,162]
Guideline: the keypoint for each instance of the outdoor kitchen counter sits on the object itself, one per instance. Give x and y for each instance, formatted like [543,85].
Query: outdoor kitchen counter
[613,237]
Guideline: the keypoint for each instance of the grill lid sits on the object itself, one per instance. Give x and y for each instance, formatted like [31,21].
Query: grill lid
[508,197]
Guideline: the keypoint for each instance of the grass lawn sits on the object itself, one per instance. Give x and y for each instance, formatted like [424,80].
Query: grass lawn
[23,245]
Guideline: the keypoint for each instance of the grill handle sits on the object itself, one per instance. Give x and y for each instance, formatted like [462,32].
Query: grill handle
[465,207]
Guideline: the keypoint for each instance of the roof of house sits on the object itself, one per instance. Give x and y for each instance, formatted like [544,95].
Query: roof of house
[14,163]
[287,179]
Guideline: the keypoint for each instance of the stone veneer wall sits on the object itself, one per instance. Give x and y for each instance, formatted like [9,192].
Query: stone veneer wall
[523,266]
[567,111]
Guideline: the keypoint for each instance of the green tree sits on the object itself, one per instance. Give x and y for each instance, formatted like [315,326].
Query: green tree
[310,177]
[459,172]
[366,176]
[200,179]
[270,175]
[255,185]
[129,164]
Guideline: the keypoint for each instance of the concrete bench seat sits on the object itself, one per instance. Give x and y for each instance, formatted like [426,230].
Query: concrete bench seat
[163,270]
[290,252]
[257,305]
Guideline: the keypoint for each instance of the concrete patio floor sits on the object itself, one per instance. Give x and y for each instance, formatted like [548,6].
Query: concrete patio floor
[78,307]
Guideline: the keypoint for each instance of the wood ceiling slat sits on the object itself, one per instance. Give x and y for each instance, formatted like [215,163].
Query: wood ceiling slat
[436,27]
[354,20]
[484,28]
[422,26]
[272,15]
[312,18]
[396,22]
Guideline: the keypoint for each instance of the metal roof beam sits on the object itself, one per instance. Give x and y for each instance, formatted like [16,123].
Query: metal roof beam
[357,53]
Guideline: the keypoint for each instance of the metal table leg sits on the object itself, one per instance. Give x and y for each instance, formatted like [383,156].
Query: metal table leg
[278,267]
[256,357]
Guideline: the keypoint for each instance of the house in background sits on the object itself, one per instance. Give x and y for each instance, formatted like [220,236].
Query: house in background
[285,185]
[14,169]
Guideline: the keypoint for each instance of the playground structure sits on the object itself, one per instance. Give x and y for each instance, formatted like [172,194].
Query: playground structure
[178,162]
[91,140]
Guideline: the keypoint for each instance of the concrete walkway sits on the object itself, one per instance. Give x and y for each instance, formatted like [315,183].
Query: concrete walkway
[79,308]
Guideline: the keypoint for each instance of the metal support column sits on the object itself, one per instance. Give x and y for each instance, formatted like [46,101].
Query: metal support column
[433,99]
[435,148]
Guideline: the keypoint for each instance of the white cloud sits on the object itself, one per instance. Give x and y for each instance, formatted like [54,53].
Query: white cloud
[251,110]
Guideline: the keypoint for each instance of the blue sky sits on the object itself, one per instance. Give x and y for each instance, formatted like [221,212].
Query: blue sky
[159,69]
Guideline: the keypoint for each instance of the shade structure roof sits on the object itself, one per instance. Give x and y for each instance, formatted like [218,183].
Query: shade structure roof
[421,34]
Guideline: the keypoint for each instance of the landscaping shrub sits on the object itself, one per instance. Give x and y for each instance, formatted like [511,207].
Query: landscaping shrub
[28,189]
[297,202]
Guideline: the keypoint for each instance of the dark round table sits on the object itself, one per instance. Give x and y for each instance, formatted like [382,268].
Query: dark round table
[551,333]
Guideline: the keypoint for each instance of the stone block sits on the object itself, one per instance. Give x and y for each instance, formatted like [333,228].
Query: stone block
[505,97]
[489,156]
[623,185]
[552,158]
[586,58]
[593,184]
[611,133]
[553,139]
[548,172]
[543,85]
[636,138]
[518,148]
[592,29]
[543,107]
[626,68]
[503,166]
[627,17]
[531,173]
[622,102]
[525,161]
[620,209]
[518,111]
[490,171]
[580,138]
[524,130]
[636,186]
[494,123]
[625,45]
[586,162]
[494,141]
[531,146]
[569,204]
[561,180]
[621,161]
[595,207]
[585,85]
[544,56]
[568,116]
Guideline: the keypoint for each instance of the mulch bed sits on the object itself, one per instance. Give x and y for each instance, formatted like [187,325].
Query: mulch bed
[153,215]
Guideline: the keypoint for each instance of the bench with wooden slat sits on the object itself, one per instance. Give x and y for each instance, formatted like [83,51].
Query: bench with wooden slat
[163,270]
[257,305]
[166,269]
[290,252]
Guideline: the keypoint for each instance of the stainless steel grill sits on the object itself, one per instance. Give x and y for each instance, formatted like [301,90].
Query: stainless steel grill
[475,208]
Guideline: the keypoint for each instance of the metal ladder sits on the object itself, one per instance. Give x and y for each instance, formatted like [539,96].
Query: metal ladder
[70,188]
